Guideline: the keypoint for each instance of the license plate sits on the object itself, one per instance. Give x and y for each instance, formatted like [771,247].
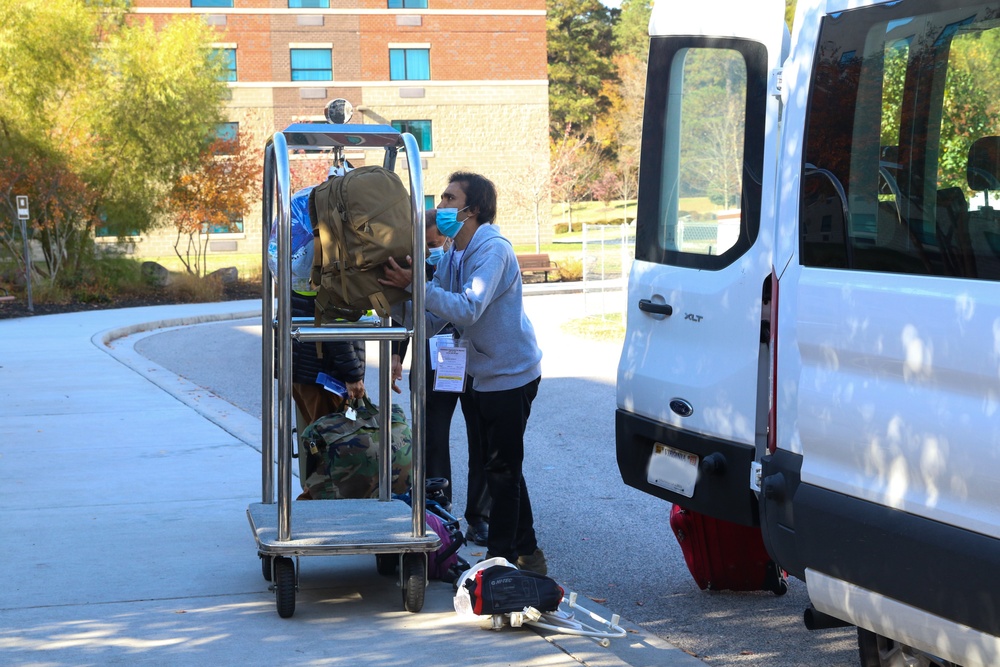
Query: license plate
[673,469]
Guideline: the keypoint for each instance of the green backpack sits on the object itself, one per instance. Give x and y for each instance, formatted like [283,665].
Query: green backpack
[360,220]
[345,453]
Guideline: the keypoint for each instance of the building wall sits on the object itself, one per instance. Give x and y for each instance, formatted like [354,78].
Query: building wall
[487,98]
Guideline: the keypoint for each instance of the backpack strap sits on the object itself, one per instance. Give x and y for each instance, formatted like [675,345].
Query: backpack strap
[379,303]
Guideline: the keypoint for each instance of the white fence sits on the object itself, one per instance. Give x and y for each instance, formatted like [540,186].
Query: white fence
[608,251]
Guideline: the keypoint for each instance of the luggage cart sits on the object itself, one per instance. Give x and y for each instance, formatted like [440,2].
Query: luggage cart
[392,531]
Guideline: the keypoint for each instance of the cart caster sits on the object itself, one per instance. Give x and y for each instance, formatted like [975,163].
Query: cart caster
[413,578]
[386,564]
[265,566]
[284,586]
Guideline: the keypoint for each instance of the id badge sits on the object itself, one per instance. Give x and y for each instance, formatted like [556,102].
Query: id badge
[438,341]
[449,372]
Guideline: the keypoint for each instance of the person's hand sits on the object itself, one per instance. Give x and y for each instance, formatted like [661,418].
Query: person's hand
[355,389]
[397,372]
[396,275]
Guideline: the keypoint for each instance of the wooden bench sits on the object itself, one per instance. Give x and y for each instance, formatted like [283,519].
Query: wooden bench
[537,263]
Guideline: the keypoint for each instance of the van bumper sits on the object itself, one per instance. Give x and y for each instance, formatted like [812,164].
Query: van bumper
[721,493]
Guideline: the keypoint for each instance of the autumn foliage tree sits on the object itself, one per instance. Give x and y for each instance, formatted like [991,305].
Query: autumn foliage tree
[98,116]
[210,197]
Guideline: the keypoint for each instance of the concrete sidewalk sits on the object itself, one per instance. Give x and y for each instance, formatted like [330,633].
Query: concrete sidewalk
[123,508]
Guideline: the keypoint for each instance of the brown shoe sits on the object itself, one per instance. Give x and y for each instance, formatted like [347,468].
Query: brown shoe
[533,563]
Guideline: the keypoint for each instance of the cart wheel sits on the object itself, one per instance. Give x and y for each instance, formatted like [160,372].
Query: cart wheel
[284,585]
[265,566]
[386,564]
[414,581]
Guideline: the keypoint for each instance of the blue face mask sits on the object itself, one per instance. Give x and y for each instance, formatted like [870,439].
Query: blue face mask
[436,255]
[448,222]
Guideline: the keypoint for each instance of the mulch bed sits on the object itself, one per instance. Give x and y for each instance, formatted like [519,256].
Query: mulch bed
[237,291]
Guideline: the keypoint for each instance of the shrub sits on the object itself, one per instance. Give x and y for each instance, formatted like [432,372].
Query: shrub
[187,287]
[571,268]
[102,280]
[560,228]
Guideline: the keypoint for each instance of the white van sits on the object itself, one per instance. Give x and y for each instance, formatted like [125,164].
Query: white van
[830,370]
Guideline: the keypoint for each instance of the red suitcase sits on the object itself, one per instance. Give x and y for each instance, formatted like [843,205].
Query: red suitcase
[725,556]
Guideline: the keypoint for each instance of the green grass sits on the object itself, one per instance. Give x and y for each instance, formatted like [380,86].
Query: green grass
[594,212]
[609,327]
[248,264]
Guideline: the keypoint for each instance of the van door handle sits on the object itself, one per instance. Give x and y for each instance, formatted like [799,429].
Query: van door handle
[647,306]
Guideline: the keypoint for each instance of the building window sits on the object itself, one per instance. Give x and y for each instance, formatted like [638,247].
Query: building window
[228,132]
[428,202]
[312,64]
[421,131]
[235,226]
[211,3]
[409,64]
[407,4]
[107,230]
[309,4]
[229,61]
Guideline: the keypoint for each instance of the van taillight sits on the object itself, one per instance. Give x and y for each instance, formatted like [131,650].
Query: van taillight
[772,413]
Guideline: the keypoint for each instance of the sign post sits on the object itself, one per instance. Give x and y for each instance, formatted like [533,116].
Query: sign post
[22,216]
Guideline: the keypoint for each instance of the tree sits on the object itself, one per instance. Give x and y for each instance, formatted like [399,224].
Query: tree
[789,12]
[606,185]
[579,53]
[713,126]
[159,99]
[111,112]
[530,187]
[210,196]
[627,106]
[631,30]
[56,194]
[308,169]
[574,163]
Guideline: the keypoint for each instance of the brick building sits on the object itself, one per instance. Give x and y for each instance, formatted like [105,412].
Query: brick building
[468,79]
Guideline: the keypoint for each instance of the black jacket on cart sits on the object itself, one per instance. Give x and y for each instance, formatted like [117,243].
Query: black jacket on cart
[344,360]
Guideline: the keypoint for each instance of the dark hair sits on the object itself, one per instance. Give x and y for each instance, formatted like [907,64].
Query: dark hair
[480,193]
[430,217]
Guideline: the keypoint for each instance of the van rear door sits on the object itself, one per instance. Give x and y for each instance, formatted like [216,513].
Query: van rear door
[692,380]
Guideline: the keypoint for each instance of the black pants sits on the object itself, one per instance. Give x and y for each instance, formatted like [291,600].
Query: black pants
[502,417]
[440,409]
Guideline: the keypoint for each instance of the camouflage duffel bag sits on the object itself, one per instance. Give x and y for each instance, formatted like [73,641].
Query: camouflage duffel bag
[344,453]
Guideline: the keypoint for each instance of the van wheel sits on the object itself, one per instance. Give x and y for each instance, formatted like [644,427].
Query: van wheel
[878,651]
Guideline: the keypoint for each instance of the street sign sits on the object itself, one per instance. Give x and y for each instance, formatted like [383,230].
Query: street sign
[22,207]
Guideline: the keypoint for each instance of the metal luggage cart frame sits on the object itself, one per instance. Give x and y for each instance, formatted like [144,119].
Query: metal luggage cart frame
[394,532]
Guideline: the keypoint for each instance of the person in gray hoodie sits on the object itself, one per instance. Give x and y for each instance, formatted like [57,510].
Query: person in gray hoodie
[477,288]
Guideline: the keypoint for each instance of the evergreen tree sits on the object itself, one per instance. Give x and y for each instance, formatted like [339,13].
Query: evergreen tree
[580,47]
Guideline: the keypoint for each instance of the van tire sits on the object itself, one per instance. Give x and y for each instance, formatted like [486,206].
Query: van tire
[877,651]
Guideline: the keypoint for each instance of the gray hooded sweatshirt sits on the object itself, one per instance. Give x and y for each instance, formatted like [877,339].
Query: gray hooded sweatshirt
[480,294]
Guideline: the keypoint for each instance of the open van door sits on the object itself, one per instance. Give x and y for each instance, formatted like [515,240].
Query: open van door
[692,386]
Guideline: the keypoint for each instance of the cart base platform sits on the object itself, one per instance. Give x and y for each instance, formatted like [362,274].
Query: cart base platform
[332,527]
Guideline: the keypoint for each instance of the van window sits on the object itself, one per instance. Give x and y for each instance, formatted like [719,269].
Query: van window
[699,189]
[901,168]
